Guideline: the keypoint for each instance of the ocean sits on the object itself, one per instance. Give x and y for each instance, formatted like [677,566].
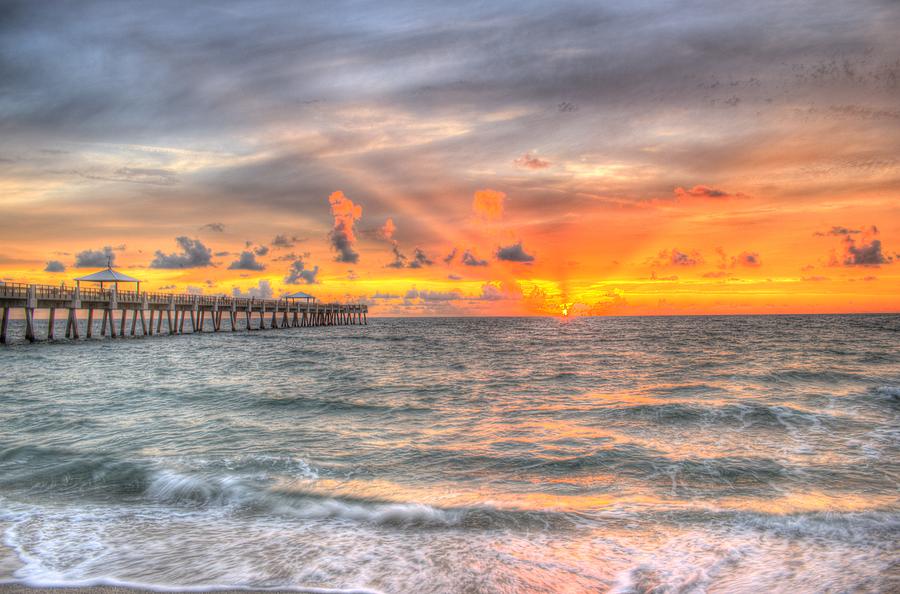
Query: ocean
[627,455]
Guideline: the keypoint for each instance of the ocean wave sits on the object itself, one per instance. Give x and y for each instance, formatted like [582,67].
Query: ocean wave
[739,414]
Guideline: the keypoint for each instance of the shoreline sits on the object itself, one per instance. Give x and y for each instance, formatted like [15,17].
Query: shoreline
[7,587]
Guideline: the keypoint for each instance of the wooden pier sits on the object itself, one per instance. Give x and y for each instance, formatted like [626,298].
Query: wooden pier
[165,313]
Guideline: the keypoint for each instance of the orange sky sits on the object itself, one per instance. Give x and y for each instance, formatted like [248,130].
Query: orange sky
[529,163]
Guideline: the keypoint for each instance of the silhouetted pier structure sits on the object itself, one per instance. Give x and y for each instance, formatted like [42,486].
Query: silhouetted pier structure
[165,313]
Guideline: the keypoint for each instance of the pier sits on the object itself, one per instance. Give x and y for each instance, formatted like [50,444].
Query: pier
[164,313]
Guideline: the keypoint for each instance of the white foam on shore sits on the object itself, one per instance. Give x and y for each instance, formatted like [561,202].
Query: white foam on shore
[112,582]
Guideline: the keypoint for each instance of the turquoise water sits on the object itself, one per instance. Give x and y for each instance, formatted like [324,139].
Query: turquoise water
[696,454]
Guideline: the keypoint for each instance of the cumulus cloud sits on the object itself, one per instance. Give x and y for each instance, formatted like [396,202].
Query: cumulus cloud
[193,255]
[262,290]
[866,251]
[55,266]
[451,256]
[246,261]
[488,204]
[469,259]
[95,258]
[300,274]
[342,236]
[214,227]
[529,161]
[261,250]
[514,253]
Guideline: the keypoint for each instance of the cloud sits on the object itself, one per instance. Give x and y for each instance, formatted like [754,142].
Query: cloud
[420,259]
[838,231]
[451,256]
[262,290]
[299,274]
[701,192]
[247,261]
[55,266]
[214,227]
[193,255]
[283,241]
[387,230]
[488,204]
[500,291]
[676,257]
[529,161]
[469,259]
[95,258]
[433,295]
[342,236]
[261,250]
[380,295]
[867,252]
[747,259]
[399,258]
[514,253]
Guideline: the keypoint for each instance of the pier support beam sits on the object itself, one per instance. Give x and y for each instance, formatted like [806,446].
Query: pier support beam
[51,321]
[90,322]
[4,325]
[29,324]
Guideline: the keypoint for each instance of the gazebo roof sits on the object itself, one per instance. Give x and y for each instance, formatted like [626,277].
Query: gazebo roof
[108,276]
[299,295]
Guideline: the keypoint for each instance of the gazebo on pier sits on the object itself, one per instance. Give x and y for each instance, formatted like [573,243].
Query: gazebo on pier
[108,276]
[300,295]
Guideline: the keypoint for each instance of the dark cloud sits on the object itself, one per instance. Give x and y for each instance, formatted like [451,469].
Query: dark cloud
[469,259]
[283,241]
[193,255]
[867,252]
[261,250]
[300,274]
[451,256]
[54,266]
[214,227]
[95,258]
[514,253]
[399,258]
[420,259]
[246,261]
[222,254]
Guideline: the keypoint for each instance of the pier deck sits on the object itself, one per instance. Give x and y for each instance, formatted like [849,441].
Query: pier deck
[205,312]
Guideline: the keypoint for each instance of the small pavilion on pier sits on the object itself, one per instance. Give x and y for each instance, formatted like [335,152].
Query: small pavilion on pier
[108,276]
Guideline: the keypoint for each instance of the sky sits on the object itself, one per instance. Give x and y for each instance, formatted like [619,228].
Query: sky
[464,158]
